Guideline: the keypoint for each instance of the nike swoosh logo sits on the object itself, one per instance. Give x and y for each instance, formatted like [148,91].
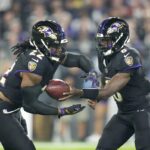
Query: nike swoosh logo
[36,60]
[126,55]
[5,111]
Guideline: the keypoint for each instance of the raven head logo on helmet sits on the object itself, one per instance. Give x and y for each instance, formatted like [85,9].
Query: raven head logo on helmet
[112,35]
[49,37]
[47,32]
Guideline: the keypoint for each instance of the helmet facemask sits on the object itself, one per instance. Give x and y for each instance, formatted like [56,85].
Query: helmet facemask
[49,38]
[114,34]
[54,51]
[104,44]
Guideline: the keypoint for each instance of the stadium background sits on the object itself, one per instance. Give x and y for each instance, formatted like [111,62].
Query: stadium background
[79,18]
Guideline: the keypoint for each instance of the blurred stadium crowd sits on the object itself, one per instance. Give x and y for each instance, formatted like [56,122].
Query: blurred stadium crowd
[79,18]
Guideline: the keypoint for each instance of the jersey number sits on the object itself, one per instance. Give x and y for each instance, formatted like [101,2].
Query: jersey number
[118,97]
[37,54]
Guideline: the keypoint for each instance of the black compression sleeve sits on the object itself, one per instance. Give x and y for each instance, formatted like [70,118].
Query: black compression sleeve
[33,105]
[90,93]
[78,60]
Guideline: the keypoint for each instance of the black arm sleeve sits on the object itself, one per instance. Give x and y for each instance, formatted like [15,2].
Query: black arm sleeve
[90,93]
[31,103]
[78,60]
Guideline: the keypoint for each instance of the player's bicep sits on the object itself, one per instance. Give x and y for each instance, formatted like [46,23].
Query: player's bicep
[30,79]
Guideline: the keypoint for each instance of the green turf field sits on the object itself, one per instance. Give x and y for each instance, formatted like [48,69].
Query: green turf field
[71,146]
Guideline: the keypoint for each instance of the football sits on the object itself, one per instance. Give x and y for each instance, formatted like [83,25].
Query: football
[56,88]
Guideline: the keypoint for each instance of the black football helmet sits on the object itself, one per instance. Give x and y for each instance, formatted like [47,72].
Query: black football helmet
[112,35]
[49,37]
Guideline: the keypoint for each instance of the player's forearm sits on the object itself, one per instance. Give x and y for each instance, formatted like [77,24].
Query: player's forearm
[105,93]
[98,94]
[113,86]
[37,107]
[95,94]
[33,105]
[109,90]
[85,64]
[80,61]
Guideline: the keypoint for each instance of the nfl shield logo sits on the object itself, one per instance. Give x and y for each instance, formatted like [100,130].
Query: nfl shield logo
[32,65]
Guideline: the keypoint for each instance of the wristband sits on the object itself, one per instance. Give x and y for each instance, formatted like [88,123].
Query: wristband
[90,93]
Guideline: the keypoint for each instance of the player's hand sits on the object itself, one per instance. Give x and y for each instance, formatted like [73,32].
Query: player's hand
[92,103]
[70,110]
[67,96]
[73,92]
[91,80]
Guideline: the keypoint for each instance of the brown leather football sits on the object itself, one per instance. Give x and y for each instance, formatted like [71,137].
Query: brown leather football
[56,88]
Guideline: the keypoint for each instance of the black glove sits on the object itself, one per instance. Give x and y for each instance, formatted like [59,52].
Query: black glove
[70,110]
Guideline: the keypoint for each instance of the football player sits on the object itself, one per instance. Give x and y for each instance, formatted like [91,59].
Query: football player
[36,62]
[122,70]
